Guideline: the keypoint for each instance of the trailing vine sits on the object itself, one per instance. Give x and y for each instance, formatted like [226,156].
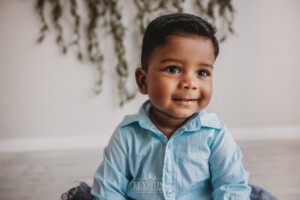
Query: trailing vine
[75,15]
[93,49]
[106,16]
[44,29]
[57,10]
[118,32]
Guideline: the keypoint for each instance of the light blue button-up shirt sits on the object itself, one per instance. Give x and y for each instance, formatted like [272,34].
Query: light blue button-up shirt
[199,161]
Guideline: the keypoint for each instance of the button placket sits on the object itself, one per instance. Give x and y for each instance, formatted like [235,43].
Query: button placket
[168,171]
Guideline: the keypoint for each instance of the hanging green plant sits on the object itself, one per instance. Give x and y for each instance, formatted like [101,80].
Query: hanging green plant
[105,16]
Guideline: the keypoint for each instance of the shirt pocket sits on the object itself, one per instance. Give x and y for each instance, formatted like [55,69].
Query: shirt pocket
[194,158]
[198,157]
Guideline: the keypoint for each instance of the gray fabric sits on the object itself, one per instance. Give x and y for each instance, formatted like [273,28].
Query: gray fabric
[260,194]
[82,192]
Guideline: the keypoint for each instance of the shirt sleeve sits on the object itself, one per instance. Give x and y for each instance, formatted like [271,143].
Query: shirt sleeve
[111,178]
[229,178]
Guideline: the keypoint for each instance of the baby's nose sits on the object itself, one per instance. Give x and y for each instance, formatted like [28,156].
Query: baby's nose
[188,82]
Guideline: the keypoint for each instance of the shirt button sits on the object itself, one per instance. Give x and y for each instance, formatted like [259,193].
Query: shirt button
[169,192]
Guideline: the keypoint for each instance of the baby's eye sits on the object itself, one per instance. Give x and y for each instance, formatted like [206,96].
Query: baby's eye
[203,73]
[173,69]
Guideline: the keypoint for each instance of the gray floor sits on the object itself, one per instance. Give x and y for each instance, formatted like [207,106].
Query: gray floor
[274,165]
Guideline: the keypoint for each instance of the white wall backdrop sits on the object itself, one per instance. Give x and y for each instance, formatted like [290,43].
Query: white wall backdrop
[45,94]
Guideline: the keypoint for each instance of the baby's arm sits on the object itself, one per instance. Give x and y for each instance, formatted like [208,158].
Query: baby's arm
[229,178]
[111,178]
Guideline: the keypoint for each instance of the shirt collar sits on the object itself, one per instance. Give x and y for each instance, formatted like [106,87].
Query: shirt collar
[142,117]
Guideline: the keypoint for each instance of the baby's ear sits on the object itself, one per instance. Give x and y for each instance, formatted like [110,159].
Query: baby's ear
[140,78]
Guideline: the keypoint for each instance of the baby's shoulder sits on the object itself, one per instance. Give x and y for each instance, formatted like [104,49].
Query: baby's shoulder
[211,120]
[128,120]
[129,124]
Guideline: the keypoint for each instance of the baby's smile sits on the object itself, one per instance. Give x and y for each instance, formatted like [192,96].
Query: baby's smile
[185,101]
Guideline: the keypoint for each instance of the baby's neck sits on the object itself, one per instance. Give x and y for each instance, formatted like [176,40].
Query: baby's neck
[165,123]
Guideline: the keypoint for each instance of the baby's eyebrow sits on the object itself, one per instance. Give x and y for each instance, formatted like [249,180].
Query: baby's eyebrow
[179,61]
[205,65]
[170,60]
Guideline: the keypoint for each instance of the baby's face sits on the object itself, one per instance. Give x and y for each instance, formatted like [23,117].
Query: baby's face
[179,76]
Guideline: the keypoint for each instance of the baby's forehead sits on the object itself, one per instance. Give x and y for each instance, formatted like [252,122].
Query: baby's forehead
[168,40]
[174,40]
[183,51]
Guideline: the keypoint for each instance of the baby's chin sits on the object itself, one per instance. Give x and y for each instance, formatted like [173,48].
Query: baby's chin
[187,113]
[183,115]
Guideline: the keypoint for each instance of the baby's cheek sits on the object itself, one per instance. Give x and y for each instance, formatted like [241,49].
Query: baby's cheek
[206,93]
